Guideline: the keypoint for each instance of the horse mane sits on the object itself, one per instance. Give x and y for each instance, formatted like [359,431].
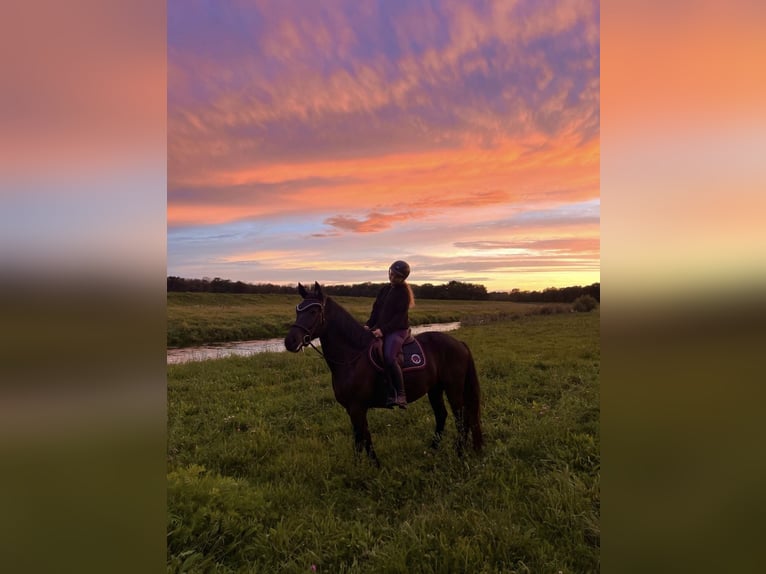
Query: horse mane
[351,329]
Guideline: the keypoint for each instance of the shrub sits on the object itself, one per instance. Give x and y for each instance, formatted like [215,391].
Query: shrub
[584,304]
[550,310]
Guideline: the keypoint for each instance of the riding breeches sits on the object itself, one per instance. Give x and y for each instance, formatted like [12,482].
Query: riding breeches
[392,345]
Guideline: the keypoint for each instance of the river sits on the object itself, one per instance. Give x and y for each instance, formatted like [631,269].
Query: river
[247,348]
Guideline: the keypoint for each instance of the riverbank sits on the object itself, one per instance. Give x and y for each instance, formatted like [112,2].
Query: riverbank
[248,348]
[197,319]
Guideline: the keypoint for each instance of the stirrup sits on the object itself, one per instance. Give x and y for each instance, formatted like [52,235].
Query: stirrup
[398,400]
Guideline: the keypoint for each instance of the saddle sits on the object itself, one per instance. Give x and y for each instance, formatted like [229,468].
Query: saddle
[411,358]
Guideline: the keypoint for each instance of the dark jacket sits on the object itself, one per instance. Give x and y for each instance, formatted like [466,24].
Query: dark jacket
[390,312]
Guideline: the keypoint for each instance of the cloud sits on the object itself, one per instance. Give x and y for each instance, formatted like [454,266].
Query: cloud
[468,199]
[570,245]
[371,223]
[343,82]
[423,209]
[465,128]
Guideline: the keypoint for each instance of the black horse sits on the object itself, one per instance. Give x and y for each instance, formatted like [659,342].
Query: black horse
[448,368]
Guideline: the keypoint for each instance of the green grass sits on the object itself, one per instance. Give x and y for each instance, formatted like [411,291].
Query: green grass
[197,318]
[262,476]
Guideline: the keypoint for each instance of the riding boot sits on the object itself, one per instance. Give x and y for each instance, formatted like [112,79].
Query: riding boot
[397,382]
[391,396]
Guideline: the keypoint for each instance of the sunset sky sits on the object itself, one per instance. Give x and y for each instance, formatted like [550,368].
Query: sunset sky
[322,141]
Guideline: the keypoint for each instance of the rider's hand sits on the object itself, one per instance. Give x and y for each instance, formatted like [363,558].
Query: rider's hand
[378,333]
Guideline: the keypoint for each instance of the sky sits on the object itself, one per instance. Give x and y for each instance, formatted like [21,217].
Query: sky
[314,141]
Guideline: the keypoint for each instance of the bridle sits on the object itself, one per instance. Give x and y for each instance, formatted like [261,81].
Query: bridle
[318,324]
[309,333]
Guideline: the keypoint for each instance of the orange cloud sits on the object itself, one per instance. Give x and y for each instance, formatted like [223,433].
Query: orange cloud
[466,177]
[372,222]
[588,245]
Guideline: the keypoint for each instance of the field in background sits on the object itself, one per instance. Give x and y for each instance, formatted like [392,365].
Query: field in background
[262,477]
[198,318]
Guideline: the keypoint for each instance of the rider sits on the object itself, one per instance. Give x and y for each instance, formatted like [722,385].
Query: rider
[390,319]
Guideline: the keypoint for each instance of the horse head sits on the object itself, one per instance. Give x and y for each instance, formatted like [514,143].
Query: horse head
[309,318]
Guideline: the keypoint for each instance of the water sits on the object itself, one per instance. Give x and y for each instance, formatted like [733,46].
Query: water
[247,348]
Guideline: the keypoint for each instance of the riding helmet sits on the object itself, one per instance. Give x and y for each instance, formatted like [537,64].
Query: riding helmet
[401,268]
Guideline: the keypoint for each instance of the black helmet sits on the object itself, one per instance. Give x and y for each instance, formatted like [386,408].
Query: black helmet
[401,268]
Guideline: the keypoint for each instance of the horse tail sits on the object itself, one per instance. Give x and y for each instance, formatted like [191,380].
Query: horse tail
[471,400]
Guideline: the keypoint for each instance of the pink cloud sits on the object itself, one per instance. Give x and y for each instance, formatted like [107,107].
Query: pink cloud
[424,207]
[372,223]
[558,245]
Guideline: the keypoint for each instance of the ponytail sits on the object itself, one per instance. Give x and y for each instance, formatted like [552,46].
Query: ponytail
[411,295]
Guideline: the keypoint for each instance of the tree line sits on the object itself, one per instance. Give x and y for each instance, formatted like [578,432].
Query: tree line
[549,295]
[452,290]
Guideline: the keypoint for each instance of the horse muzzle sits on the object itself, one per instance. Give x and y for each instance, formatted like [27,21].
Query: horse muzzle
[292,345]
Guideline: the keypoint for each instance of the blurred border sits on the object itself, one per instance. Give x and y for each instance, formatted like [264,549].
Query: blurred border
[683,129]
[82,248]
[82,286]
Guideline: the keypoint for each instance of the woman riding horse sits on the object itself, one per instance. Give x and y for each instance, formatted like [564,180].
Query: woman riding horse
[390,320]
[447,368]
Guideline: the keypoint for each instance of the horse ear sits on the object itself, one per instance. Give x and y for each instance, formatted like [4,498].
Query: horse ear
[318,289]
[302,291]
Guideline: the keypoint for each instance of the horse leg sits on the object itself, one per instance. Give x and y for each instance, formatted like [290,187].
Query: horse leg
[362,437]
[436,398]
[455,398]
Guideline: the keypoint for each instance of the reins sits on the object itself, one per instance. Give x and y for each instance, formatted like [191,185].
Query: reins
[311,344]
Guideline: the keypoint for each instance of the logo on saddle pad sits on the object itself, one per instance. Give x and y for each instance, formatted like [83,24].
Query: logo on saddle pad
[411,358]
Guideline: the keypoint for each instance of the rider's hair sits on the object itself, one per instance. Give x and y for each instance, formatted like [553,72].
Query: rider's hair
[411,294]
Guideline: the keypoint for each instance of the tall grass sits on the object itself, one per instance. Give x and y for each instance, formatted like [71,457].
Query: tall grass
[262,476]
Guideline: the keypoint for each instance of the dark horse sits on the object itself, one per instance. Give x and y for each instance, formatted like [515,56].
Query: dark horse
[358,386]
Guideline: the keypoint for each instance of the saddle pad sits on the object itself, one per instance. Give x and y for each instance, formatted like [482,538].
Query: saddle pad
[411,358]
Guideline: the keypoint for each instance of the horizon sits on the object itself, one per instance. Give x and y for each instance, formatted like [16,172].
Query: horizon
[336,284]
[325,143]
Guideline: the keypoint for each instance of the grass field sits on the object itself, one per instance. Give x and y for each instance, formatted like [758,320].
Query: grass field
[262,477]
[197,318]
